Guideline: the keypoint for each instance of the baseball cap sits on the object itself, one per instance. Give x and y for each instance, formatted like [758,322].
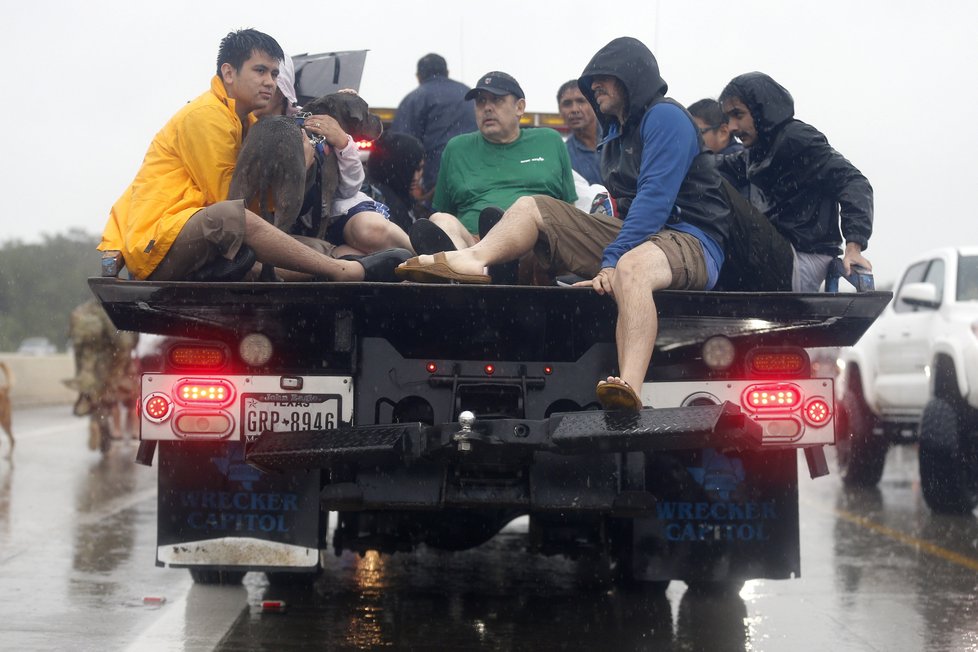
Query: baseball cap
[497,83]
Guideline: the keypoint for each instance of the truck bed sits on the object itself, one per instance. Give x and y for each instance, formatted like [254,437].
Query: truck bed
[484,322]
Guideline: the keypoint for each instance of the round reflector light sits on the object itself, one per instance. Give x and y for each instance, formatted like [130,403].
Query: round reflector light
[255,349]
[431,367]
[719,352]
[490,369]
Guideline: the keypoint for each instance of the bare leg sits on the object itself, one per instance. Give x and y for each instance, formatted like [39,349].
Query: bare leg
[370,232]
[281,250]
[455,230]
[514,235]
[639,273]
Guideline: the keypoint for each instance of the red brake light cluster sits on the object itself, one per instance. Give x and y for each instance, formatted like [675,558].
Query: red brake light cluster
[365,145]
[203,392]
[772,397]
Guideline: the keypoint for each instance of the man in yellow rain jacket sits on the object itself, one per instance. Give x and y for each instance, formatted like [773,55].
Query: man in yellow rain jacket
[174,218]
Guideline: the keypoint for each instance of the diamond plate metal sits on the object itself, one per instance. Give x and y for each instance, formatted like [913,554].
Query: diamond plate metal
[318,448]
[659,429]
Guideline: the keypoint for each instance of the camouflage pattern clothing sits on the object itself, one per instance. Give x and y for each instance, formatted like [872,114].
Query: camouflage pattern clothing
[104,369]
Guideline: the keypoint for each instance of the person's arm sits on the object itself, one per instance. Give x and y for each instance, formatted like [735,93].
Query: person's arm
[443,200]
[843,181]
[733,167]
[208,146]
[347,154]
[668,149]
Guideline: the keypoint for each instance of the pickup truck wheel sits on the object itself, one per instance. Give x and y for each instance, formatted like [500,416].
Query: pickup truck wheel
[861,454]
[948,464]
[222,577]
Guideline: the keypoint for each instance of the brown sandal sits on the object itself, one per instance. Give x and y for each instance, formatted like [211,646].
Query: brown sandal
[618,396]
[438,271]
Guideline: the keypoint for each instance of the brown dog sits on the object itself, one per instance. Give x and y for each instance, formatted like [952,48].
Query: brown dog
[271,171]
[6,411]
[353,115]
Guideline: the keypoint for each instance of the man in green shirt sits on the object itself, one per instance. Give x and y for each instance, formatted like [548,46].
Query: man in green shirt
[499,164]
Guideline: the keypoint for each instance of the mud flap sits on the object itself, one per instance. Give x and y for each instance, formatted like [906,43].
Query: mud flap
[720,516]
[217,512]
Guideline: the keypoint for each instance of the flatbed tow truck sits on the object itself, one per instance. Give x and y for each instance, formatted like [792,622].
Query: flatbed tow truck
[435,414]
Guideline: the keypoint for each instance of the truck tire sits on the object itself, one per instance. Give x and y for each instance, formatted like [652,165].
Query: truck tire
[222,577]
[948,464]
[861,454]
[286,579]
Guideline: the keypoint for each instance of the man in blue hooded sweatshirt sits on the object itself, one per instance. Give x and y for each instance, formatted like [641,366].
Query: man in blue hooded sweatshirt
[668,229]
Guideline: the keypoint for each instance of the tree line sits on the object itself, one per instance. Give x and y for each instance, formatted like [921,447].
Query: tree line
[40,284]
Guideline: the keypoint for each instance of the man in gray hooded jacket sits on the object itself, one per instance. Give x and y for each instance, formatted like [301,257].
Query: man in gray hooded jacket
[668,229]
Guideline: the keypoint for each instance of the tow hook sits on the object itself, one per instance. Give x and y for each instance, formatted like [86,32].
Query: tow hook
[466,435]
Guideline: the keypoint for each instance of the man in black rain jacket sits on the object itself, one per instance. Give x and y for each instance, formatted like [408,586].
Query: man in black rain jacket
[800,183]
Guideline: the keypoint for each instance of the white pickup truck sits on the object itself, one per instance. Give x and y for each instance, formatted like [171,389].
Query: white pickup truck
[913,376]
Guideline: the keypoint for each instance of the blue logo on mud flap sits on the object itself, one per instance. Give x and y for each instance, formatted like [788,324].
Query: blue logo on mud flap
[238,511]
[726,515]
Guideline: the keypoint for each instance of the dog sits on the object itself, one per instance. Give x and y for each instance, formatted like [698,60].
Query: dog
[271,170]
[353,115]
[6,410]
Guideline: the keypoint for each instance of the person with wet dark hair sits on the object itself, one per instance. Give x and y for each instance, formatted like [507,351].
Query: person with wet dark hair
[713,126]
[805,198]
[394,172]
[434,113]
[585,132]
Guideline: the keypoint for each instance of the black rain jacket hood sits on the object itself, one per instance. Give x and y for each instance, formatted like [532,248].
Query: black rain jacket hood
[770,104]
[634,64]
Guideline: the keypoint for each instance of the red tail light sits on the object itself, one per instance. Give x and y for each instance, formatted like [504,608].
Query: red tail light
[781,396]
[157,407]
[817,412]
[196,391]
[365,145]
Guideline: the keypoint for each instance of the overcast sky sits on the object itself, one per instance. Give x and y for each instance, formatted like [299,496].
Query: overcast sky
[892,84]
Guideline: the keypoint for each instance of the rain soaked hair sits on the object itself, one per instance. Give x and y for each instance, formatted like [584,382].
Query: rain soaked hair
[236,48]
[708,111]
[566,86]
[432,65]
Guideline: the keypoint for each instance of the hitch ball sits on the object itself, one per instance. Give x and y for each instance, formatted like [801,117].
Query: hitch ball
[466,419]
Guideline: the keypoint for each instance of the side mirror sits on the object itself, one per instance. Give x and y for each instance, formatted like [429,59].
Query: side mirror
[920,295]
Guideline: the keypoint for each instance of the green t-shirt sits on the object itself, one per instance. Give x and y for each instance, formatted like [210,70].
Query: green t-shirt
[475,173]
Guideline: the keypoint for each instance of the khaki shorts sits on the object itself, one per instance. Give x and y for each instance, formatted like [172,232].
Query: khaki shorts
[574,242]
[217,230]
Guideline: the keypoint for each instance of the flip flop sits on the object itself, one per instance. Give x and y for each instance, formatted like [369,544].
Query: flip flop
[437,272]
[618,396]
[428,238]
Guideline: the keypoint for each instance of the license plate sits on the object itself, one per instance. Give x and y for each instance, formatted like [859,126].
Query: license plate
[276,412]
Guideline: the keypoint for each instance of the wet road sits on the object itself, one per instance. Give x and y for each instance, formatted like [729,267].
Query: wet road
[880,572]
